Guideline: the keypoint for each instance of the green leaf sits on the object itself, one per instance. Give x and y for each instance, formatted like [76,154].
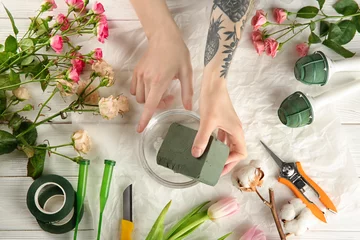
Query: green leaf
[14,78]
[28,60]
[324,28]
[312,26]
[188,232]
[356,21]
[338,49]
[31,136]
[184,219]
[346,7]
[27,45]
[8,142]
[313,38]
[3,101]
[15,122]
[196,220]
[35,164]
[157,229]
[321,3]
[2,48]
[343,32]
[11,44]
[15,30]
[227,235]
[307,12]
[4,56]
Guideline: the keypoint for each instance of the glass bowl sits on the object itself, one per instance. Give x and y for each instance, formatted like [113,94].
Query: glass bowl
[150,143]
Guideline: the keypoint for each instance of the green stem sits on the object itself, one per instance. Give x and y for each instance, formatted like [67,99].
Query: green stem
[44,104]
[283,34]
[189,227]
[62,155]
[82,110]
[52,147]
[95,89]
[294,35]
[19,84]
[29,29]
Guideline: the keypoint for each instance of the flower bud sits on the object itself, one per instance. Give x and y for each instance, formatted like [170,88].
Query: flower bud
[48,5]
[66,88]
[28,107]
[223,208]
[21,93]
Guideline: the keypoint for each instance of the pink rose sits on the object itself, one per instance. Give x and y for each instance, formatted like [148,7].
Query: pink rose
[56,43]
[63,22]
[253,234]
[98,53]
[256,35]
[302,49]
[48,5]
[74,75]
[257,40]
[223,208]
[78,62]
[102,29]
[280,15]
[98,8]
[271,47]
[258,20]
[76,4]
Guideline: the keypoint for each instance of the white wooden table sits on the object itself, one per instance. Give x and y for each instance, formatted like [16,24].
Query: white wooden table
[15,220]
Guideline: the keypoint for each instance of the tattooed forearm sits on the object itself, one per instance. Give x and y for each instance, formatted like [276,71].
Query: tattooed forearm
[227,20]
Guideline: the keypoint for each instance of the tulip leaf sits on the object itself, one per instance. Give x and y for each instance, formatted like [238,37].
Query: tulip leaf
[338,48]
[321,3]
[225,236]
[8,142]
[11,44]
[3,101]
[16,31]
[343,32]
[313,38]
[188,232]
[307,12]
[194,222]
[31,136]
[184,219]
[324,28]
[35,164]
[157,229]
[346,7]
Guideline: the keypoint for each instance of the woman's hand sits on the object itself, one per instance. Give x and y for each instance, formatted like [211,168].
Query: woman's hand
[166,58]
[217,112]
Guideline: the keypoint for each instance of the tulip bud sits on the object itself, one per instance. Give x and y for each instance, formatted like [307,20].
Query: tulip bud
[223,208]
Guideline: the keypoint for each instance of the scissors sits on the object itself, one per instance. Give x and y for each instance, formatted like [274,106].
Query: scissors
[294,177]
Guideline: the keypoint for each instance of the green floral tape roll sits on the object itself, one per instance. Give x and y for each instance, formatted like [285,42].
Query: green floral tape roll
[296,111]
[312,69]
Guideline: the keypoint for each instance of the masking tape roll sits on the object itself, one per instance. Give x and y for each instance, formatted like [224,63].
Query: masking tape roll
[47,200]
[42,185]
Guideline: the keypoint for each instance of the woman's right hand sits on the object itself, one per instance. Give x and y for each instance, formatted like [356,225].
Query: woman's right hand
[165,59]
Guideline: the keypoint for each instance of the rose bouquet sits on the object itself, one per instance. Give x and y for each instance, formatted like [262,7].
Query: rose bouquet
[333,31]
[45,54]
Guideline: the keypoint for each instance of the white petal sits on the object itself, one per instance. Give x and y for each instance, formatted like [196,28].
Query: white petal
[298,205]
[287,212]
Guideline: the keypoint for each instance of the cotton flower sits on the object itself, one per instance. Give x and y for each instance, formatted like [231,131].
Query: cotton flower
[21,93]
[93,98]
[259,19]
[66,88]
[271,47]
[302,49]
[123,104]
[74,75]
[98,8]
[280,15]
[76,4]
[248,177]
[223,208]
[253,234]
[56,43]
[48,5]
[63,21]
[98,54]
[102,30]
[81,141]
[109,107]
[104,70]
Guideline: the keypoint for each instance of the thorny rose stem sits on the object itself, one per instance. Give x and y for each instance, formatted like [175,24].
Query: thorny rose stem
[272,207]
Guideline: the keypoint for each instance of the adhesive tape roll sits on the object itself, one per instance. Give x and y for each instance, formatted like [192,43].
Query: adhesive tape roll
[42,185]
[48,200]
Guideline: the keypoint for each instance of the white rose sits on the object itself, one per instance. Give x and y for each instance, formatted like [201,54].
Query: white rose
[105,70]
[109,107]
[82,141]
[66,88]
[123,104]
[21,93]
[248,177]
[93,98]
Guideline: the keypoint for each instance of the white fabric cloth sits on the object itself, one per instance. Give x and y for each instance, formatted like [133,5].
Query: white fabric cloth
[257,85]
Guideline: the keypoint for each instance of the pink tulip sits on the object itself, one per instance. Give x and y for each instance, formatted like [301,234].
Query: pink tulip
[63,22]
[74,75]
[56,43]
[76,4]
[78,62]
[98,53]
[102,29]
[48,5]
[280,15]
[271,47]
[98,8]
[223,208]
[302,49]
[259,19]
[253,234]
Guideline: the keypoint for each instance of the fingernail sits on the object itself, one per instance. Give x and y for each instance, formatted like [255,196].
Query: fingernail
[138,128]
[197,152]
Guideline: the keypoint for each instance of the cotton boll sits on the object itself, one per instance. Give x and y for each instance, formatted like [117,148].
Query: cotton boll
[245,175]
[298,205]
[307,217]
[302,223]
[248,177]
[287,212]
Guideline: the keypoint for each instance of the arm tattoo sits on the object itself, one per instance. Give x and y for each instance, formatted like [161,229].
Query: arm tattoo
[234,9]
[229,50]
[213,40]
